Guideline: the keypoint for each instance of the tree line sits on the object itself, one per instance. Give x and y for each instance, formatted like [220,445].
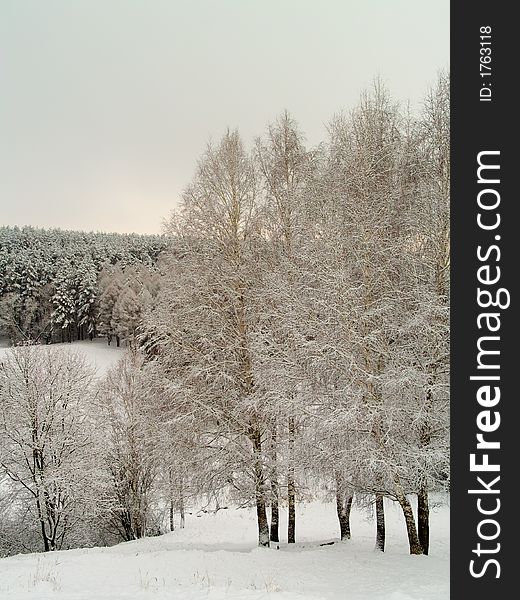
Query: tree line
[297,339]
[52,282]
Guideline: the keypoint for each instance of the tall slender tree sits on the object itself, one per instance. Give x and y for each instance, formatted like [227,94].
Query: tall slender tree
[206,342]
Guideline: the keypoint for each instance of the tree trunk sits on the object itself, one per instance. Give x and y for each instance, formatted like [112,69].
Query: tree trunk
[423,518]
[275,513]
[45,540]
[291,492]
[343,507]
[172,499]
[380,523]
[181,503]
[172,523]
[423,508]
[263,526]
[42,525]
[261,513]
[411,529]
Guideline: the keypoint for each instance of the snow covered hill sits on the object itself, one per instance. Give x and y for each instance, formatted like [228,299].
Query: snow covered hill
[215,558]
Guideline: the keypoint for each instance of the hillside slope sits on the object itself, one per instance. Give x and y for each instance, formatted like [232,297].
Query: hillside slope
[215,558]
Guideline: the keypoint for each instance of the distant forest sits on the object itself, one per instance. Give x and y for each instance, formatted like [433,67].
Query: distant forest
[62,286]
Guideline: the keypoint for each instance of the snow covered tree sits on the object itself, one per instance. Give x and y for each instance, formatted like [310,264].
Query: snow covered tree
[428,331]
[204,318]
[370,184]
[65,301]
[129,453]
[126,315]
[285,165]
[44,437]
[110,287]
[86,276]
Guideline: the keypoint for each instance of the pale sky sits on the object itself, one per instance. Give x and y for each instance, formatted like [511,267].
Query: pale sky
[106,105]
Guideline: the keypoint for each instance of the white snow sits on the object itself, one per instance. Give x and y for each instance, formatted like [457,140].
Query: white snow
[97,352]
[215,558]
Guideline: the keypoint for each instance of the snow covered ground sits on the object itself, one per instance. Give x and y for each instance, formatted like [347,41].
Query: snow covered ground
[97,352]
[215,558]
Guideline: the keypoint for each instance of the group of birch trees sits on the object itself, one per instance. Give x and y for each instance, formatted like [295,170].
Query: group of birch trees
[302,320]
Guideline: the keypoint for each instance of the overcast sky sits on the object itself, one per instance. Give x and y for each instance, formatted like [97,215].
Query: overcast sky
[106,105]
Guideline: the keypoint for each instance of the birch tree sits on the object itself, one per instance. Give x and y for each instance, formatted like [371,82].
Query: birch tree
[204,317]
[369,176]
[45,437]
[129,453]
[285,165]
[429,327]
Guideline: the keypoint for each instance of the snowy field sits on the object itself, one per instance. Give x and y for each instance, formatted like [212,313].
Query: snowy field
[215,558]
[97,352]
